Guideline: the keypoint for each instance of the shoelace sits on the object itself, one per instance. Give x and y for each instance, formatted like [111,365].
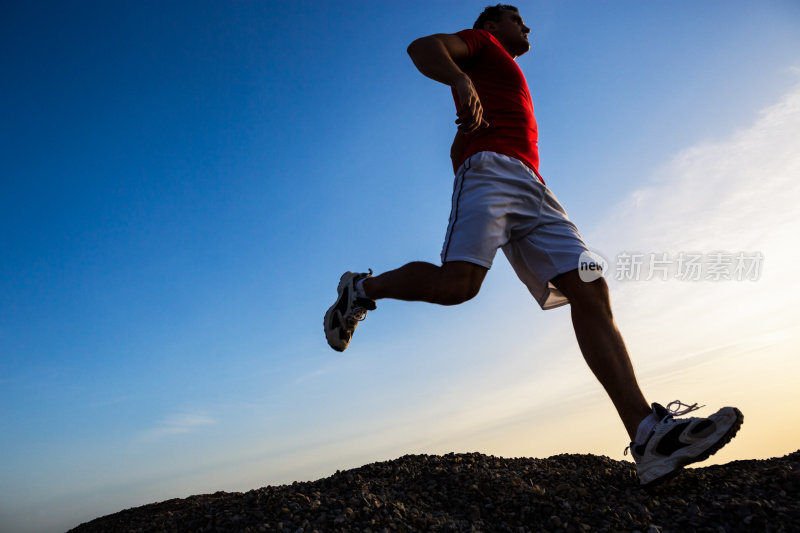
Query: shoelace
[674,412]
[359,314]
[679,412]
[352,319]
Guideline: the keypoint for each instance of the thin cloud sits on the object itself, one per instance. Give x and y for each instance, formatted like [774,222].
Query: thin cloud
[176,424]
[728,193]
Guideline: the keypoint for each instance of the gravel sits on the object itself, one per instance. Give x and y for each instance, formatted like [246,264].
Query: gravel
[476,492]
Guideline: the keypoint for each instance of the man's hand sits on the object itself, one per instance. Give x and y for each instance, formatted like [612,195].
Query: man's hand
[470,112]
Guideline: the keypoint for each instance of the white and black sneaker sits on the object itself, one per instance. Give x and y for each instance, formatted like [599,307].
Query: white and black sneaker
[676,442]
[343,316]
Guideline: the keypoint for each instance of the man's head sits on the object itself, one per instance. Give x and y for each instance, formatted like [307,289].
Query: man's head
[505,23]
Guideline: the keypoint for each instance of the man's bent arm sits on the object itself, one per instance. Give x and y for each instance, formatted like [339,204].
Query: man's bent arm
[435,56]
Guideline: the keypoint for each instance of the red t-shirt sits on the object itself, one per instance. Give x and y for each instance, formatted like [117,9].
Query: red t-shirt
[505,98]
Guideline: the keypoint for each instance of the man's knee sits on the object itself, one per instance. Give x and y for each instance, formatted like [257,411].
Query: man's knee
[596,297]
[590,296]
[459,282]
[458,292]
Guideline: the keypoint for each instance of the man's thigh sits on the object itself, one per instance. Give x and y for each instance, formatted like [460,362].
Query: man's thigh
[465,273]
[544,254]
[495,198]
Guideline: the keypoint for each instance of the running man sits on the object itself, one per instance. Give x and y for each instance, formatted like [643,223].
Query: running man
[501,202]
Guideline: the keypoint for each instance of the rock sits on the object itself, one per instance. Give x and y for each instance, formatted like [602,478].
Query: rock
[475,492]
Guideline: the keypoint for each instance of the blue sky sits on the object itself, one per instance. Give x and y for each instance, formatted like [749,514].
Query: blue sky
[183,184]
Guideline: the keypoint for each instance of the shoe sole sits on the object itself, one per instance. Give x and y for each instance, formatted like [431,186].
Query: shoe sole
[708,452]
[329,334]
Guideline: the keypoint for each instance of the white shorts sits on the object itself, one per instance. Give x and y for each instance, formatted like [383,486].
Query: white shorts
[498,202]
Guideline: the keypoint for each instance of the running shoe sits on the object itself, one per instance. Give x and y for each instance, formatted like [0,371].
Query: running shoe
[343,316]
[676,442]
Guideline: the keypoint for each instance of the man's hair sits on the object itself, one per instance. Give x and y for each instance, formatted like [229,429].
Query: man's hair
[493,13]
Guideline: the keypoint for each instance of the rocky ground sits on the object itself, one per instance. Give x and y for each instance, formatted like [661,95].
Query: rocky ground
[475,492]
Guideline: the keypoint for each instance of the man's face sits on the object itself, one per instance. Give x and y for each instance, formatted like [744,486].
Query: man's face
[511,32]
